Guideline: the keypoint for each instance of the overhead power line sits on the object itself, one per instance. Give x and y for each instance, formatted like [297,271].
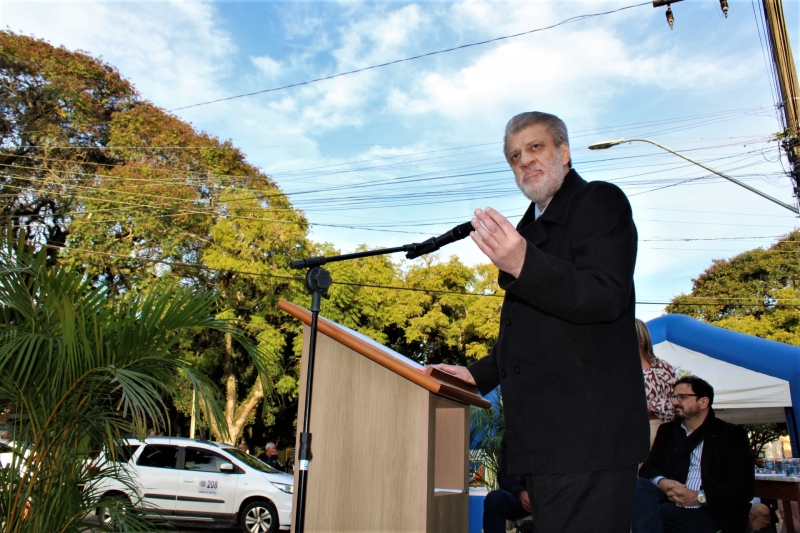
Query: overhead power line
[420,56]
[679,122]
[411,161]
[728,301]
[683,239]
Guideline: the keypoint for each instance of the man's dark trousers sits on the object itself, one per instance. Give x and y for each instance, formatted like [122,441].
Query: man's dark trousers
[654,513]
[499,506]
[583,502]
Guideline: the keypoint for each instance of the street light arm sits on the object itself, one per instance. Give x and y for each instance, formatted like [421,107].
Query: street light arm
[609,144]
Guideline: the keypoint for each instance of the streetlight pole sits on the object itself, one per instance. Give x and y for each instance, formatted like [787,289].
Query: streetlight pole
[608,144]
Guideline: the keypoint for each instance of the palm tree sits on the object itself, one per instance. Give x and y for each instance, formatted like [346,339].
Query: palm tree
[80,371]
[485,435]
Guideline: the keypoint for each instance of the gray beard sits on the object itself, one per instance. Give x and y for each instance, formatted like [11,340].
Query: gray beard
[542,194]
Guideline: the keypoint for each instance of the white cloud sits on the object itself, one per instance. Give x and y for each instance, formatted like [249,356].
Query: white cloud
[376,37]
[574,74]
[267,65]
[171,50]
[503,18]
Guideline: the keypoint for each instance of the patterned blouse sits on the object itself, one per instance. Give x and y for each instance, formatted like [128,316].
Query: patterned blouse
[659,381]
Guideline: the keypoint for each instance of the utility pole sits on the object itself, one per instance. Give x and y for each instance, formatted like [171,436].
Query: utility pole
[786,77]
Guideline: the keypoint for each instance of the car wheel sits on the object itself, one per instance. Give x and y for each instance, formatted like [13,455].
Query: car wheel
[259,516]
[104,516]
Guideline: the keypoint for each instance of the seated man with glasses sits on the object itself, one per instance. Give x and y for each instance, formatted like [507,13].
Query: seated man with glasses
[700,475]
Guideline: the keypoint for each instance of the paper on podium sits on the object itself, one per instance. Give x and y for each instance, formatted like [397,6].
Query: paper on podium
[436,373]
[388,351]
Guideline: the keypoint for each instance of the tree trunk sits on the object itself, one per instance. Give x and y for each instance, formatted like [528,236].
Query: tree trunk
[236,414]
[230,389]
[246,409]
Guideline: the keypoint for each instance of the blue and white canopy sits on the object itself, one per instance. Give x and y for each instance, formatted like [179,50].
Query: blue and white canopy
[754,379]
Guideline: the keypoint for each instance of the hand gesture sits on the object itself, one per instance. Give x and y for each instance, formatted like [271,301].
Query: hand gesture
[499,240]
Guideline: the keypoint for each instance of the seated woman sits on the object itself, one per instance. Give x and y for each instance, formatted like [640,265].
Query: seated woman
[659,380]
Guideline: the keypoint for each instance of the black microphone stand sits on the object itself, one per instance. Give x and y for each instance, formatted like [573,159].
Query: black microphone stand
[318,280]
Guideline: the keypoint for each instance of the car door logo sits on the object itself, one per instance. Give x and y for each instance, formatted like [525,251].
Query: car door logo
[208,487]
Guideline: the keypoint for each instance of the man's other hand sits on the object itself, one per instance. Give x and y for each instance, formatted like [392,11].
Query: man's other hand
[524,499]
[460,372]
[499,240]
[677,492]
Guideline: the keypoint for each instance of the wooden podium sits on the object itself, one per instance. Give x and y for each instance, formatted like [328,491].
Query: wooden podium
[390,440]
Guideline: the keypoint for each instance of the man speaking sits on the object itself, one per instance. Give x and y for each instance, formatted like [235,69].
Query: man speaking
[566,358]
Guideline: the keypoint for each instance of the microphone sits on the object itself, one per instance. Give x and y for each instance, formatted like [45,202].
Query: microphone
[434,243]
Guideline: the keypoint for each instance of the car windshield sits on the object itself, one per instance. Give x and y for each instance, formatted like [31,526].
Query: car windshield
[251,461]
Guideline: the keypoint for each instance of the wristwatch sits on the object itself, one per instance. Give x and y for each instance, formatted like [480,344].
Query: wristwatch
[701,497]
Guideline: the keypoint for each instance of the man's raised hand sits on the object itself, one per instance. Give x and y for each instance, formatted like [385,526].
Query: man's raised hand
[499,240]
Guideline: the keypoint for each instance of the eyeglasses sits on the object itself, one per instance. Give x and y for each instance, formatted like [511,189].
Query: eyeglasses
[681,397]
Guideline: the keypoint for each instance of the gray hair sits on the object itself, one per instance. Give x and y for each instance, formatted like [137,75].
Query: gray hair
[554,125]
[267,445]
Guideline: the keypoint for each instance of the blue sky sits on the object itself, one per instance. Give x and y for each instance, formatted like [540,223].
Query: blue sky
[397,154]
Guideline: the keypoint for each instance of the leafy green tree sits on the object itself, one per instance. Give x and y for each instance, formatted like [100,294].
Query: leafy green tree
[481,324]
[756,292]
[131,196]
[443,324]
[262,235]
[51,100]
[432,312]
[80,370]
[196,200]
[432,332]
[359,298]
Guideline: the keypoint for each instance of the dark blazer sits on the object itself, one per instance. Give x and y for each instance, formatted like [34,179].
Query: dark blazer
[567,357]
[512,484]
[726,467]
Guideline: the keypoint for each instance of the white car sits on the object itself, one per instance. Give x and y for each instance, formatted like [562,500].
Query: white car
[12,454]
[197,481]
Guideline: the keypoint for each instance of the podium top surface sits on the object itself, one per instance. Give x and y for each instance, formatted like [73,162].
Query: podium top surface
[429,378]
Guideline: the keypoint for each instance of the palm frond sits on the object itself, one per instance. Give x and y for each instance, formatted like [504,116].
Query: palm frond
[81,370]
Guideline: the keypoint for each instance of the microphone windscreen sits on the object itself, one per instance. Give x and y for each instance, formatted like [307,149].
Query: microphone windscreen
[462,230]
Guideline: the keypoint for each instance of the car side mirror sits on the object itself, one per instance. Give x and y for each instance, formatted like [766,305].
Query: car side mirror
[226,467]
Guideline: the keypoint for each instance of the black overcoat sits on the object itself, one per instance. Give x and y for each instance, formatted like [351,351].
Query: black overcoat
[726,468]
[567,356]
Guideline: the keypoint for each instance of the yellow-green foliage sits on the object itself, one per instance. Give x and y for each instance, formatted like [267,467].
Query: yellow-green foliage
[756,292]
